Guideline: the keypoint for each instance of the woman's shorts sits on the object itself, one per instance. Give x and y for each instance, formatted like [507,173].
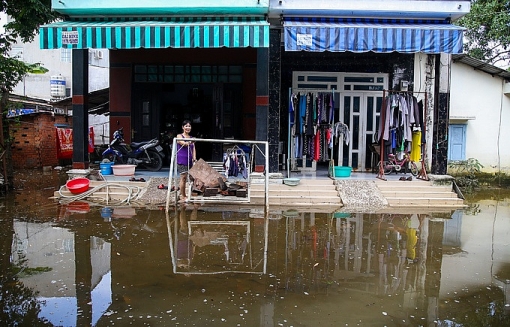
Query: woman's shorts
[182,169]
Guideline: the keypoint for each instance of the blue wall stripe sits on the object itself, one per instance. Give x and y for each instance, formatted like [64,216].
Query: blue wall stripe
[80,44]
[207,37]
[256,36]
[216,36]
[196,36]
[118,39]
[108,43]
[187,37]
[157,37]
[127,39]
[236,36]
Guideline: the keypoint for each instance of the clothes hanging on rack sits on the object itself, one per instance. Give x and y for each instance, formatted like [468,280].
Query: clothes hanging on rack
[235,162]
[341,129]
[310,116]
[402,116]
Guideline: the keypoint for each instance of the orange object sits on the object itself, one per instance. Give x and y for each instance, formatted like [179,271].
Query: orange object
[78,185]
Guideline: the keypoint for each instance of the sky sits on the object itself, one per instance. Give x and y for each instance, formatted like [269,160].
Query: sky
[3,20]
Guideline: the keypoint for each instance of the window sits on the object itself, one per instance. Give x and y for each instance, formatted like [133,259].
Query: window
[65,55]
[187,74]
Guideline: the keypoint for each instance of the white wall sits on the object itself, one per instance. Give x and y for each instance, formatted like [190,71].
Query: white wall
[479,96]
[38,85]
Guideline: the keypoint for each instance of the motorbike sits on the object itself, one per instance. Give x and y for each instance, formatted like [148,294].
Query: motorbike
[147,154]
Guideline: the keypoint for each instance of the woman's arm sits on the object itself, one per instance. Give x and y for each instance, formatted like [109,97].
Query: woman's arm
[182,142]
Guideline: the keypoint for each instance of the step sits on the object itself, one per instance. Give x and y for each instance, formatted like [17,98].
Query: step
[296,193]
[426,194]
[425,202]
[416,187]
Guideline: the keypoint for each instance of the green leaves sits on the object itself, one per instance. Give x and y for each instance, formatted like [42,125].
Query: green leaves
[488,34]
[26,17]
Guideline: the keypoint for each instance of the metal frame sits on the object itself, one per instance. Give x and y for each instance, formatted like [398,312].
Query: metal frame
[173,171]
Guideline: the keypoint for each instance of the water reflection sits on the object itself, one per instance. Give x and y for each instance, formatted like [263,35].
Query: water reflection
[235,244]
[197,265]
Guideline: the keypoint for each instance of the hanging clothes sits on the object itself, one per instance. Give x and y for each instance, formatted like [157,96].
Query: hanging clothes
[310,125]
[342,129]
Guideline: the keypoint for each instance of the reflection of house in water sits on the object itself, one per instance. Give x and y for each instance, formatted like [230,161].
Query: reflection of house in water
[216,246]
[396,255]
[57,288]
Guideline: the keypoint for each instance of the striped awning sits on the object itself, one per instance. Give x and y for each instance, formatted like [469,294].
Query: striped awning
[377,35]
[230,32]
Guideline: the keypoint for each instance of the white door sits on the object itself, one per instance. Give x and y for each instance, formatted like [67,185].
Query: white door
[360,111]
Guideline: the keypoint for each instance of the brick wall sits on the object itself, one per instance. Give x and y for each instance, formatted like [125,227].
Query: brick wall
[34,140]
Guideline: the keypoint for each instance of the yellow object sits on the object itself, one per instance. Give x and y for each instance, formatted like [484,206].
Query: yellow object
[416,147]
[412,240]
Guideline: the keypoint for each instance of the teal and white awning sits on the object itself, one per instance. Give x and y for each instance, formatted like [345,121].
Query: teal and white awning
[155,33]
[376,35]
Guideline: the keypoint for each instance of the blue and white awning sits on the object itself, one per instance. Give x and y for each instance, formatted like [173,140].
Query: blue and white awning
[154,33]
[376,35]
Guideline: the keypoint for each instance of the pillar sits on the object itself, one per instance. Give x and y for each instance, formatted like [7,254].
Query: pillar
[80,108]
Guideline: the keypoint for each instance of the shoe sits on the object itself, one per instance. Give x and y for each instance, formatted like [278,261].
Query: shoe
[402,178]
[162,187]
[409,178]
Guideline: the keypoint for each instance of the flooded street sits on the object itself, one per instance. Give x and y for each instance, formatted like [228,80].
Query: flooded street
[87,265]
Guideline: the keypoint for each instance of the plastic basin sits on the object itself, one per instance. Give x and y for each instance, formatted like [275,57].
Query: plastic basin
[78,185]
[124,170]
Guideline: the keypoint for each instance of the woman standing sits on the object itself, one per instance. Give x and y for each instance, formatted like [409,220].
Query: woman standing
[186,156]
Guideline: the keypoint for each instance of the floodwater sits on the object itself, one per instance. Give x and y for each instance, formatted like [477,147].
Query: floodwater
[86,265]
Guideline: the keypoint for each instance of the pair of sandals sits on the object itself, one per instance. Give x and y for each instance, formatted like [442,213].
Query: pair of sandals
[405,179]
[165,187]
[132,179]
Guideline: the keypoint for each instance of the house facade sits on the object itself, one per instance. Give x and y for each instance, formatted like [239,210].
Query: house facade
[480,106]
[231,67]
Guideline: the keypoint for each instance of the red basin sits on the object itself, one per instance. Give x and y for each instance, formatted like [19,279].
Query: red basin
[78,185]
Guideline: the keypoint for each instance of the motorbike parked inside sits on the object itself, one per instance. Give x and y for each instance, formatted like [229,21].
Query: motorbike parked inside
[147,154]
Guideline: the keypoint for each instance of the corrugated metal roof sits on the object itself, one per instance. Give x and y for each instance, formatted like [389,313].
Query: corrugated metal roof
[482,66]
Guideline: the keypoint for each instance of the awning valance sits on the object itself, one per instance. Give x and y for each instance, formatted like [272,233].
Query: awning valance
[212,32]
[378,35]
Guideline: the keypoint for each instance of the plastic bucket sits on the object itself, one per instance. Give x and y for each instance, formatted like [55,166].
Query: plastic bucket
[106,168]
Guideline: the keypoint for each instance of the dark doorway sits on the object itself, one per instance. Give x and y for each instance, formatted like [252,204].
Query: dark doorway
[215,111]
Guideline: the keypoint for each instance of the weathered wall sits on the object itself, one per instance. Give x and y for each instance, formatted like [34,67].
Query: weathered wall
[34,140]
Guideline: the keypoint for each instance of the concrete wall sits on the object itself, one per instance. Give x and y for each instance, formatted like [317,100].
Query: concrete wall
[477,99]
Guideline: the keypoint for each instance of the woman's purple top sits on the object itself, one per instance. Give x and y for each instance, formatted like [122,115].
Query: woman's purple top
[185,154]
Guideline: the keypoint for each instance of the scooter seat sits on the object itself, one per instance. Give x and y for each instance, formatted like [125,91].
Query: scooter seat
[138,144]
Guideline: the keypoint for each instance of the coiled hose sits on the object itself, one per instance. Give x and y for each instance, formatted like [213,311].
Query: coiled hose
[134,192]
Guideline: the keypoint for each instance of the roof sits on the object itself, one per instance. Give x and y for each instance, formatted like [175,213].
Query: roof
[481,65]
[98,102]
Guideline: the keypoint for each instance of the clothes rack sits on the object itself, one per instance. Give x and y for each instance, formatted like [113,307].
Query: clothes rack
[235,162]
[383,121]
[305,139]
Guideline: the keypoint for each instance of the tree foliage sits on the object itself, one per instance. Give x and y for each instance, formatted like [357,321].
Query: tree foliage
[488,31]
[26,17]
